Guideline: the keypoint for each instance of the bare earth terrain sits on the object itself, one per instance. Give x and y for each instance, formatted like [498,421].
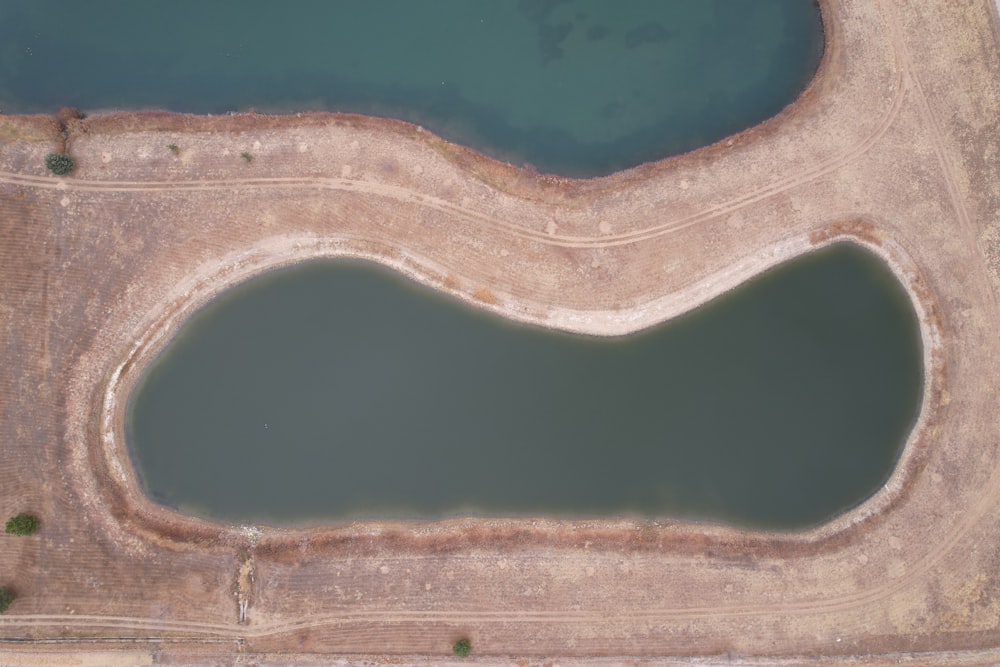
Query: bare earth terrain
[896,145]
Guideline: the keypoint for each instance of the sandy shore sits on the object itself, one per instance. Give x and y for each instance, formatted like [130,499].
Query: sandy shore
[894,146]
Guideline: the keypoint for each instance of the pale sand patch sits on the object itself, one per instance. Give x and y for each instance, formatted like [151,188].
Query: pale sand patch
[76,659]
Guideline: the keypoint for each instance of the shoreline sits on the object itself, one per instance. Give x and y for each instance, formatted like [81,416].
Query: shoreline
[211,281]
[163,118]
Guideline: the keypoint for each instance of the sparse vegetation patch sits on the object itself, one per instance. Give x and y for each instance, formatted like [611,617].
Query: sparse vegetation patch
[23,524]
[462,648]
[485,295]
[59,164]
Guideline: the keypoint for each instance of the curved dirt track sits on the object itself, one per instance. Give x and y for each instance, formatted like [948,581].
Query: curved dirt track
[895,146]
[413,195]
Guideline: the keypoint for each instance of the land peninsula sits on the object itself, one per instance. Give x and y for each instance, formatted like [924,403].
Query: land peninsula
[895,145]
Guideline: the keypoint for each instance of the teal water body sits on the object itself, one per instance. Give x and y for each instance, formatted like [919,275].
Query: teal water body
[576,87]
[336,390]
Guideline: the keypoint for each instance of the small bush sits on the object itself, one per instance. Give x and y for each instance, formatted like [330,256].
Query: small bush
[6,597]
[173,148]
[23,524]
[59,164]
[462,648]
[246,156]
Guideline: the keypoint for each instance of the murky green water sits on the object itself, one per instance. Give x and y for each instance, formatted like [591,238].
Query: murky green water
[337,390]
[578,87]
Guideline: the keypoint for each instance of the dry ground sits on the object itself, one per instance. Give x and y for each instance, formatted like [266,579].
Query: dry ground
[895,145]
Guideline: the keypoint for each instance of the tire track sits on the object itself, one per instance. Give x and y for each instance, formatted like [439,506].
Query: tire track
[124,622]
[410,196]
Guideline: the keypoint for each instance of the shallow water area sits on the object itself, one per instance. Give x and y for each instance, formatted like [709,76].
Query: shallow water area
[336,390]
[576,87]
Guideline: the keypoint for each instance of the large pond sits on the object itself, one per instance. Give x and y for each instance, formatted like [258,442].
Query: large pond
[577,87]
[336,389]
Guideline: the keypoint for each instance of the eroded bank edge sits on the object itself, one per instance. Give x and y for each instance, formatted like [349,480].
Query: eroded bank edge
[110,465]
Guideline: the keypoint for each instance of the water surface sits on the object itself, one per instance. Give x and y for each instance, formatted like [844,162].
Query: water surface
[337,390]
[577,87]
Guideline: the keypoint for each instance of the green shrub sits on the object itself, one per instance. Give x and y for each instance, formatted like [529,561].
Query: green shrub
[173,148]
[6,597]
[246,156]
[462,648]
[23,524]
[59,164]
